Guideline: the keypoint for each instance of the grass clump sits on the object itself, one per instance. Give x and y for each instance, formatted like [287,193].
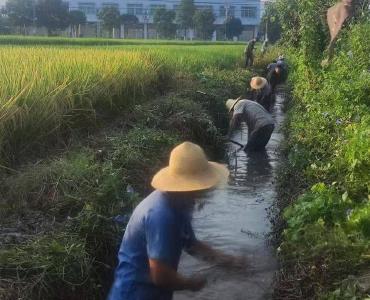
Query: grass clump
[87,195]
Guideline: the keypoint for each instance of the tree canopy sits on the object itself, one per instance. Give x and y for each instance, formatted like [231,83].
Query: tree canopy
[185,14]
[52,14]
[20,12]
[163,20]
[270,22]
[203,23]
[233,27]
[129,19]
[110,17]
[76,17]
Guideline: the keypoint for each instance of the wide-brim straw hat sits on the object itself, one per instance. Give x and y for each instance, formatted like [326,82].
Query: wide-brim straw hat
[230,103]
[258,83]
[189,170]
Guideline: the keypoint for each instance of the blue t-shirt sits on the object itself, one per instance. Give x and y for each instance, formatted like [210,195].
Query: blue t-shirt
[156,230]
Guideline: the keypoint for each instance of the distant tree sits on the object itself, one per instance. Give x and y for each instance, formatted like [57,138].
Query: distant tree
[20,13]
[4,24]
[128,20]
[110,17]
[204,23]
[270,22]
[163,20]
[233,27]
[185,15]
[76,18]
[52,14]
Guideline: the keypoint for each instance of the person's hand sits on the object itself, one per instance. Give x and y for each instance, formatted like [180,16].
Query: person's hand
[196,284]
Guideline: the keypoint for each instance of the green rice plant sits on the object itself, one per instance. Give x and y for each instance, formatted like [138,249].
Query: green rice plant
[48,91]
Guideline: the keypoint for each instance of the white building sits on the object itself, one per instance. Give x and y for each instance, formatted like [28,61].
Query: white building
[248,11]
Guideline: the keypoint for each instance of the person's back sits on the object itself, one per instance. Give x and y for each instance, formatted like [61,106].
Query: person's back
[254,114]
[143,238]
[264,96]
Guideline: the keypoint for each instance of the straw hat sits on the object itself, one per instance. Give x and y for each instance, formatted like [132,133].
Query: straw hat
[189,170]
[230,103]
[258,83]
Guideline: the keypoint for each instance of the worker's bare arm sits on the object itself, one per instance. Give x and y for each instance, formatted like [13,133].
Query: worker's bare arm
[234,123]
[164,276]
[206,252]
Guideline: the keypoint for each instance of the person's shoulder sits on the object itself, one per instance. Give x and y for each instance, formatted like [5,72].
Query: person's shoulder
[248,102]
[240,103]
[159,207]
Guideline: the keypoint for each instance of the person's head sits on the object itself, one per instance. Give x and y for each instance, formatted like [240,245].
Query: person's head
[258,83]
[189,175]
[278,70]
[230,105]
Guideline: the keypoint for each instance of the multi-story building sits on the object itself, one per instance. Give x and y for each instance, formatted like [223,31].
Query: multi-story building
[248,11]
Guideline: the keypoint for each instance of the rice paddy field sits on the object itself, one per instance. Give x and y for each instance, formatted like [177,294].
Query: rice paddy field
[57,84]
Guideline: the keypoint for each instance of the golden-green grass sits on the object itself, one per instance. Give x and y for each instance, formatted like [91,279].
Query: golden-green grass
[45,90]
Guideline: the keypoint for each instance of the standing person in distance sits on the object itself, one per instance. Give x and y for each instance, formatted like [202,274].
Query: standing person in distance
[249,53]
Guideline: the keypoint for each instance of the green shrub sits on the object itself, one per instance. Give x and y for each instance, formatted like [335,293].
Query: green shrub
[328,146]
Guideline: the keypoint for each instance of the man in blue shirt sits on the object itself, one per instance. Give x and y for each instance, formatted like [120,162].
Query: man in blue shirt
[160,228]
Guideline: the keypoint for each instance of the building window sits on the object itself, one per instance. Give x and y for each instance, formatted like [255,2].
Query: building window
[110,4]
[249,12]
[204,7]
[135,9]
[222,11]
[88,8]
[154,7]
[229,11]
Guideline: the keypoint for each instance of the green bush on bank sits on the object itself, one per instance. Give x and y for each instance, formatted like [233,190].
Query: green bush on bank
[84,193]
[328,227]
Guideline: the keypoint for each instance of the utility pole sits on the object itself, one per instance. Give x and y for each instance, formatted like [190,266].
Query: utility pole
[226,17]
[146,19]
[34,17]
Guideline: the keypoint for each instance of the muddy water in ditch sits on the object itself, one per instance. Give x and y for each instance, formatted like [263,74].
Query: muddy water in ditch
[235,220]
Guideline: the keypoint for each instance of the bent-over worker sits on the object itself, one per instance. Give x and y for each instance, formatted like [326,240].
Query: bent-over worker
[160,228]
[259,121]
[262,92]
[277,73]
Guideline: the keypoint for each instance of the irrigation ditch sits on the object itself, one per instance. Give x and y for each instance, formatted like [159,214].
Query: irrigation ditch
[63,214]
